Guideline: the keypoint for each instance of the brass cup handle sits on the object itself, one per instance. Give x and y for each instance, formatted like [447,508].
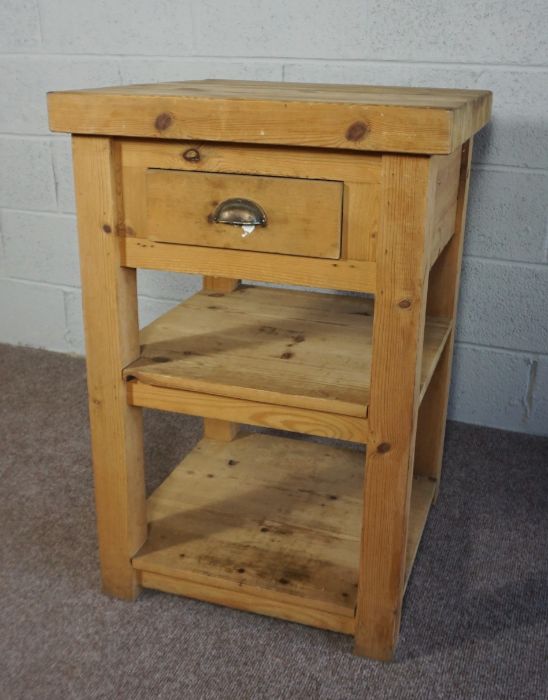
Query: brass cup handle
[239,212]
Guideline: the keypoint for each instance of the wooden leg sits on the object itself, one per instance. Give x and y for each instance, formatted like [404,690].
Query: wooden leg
[443,290]
[222,430]
[112,341]
[407,187]
[222,285]
[215,428]
[431,421]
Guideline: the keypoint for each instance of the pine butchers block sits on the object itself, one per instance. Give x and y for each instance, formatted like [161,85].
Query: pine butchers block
[357,189]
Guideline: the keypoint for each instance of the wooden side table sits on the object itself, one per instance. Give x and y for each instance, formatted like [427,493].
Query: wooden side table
[349,188]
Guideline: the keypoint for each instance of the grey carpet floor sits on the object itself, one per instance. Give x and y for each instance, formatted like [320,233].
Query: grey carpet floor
[476,609]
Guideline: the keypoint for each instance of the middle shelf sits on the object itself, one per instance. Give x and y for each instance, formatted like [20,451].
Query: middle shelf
[302,353]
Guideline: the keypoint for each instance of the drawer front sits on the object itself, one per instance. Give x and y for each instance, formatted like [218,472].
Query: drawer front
[301,217]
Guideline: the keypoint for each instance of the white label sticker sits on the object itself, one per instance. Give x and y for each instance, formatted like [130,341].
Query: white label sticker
[247,229]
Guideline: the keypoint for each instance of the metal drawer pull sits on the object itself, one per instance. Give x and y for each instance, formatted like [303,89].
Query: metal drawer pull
[240,212]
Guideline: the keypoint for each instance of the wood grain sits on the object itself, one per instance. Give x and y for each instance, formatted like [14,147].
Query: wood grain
[404,120]
[250,159]
[407,202]
[255,603]
[346,275]
[110,318]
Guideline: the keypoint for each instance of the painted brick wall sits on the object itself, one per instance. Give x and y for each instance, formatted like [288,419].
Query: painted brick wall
[501,369]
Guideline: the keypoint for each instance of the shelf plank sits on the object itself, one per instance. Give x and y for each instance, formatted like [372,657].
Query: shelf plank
[274,346]
[289,528]
[280,540]
[248,602]
[221,408]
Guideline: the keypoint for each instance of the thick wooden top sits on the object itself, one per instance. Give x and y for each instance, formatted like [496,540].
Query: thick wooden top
[360,117]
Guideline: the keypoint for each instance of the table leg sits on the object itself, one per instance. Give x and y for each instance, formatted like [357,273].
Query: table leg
[112,341]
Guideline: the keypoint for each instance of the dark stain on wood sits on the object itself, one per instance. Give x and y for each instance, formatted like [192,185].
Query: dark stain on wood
[269,330]
[216,294]
[232,462]
[294,574]
[160,359]
[286,355]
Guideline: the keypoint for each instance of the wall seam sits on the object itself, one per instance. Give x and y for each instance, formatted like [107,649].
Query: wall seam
[500,350]
[526,67]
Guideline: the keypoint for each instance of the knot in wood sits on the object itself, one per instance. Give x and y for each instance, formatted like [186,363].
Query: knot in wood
[383,447]
[163,121]
[192,155]
[404,303]
[107,228]
[356,131]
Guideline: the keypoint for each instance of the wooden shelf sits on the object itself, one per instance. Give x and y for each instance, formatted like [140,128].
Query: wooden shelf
[273,346]
[266,524]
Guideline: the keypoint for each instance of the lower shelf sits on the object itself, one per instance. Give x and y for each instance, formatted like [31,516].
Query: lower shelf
[266,524]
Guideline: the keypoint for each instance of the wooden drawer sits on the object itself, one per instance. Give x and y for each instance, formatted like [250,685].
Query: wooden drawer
[303,217]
